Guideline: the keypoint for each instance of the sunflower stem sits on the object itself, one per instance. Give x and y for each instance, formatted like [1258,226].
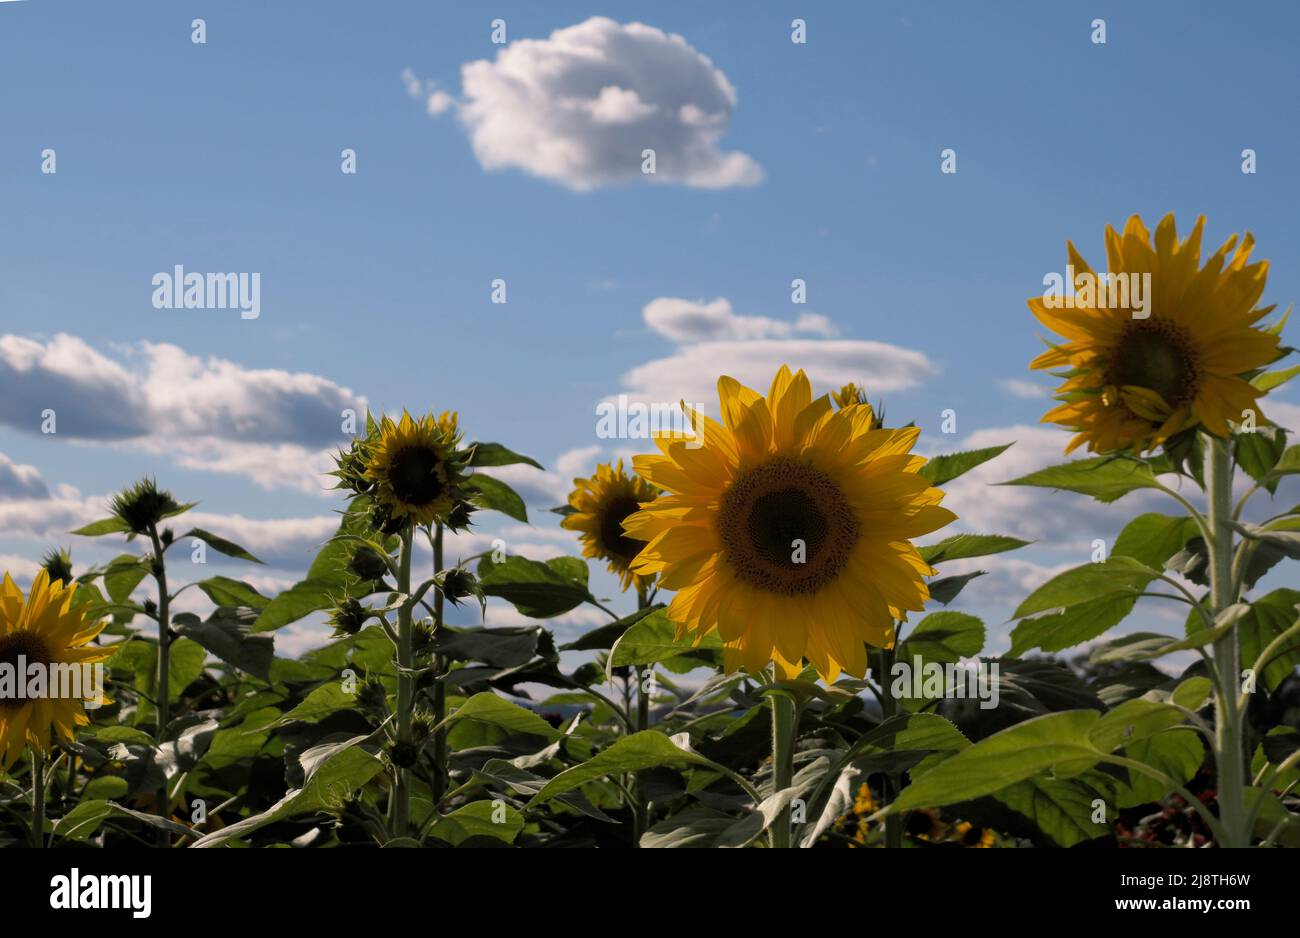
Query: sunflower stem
[889,707]
[439,687]
[399,808]
[640,812]
[38,799]
[784,721]
[1229,758]
[163,703]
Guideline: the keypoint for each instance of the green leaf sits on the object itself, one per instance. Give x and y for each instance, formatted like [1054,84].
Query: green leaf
[1192,693]
[123,575]
[945,589]
[1061,809]
[1153,538]
[961,546]
[103,526]
[85,819]
[945,468]
[1057,741]
[507,647]
[1131,721]
[494,454]
[536,589]
[1075,625]
[220,544]
[1258,452]
[1177,753]
[573,568]
[1104,478]
[645,750]
[488,708]
[604,636]
[1268,617]
[329,698]
[227,635]
[332,772]
[490,492]
[654,639]
[1118,575]
[943,637]
[479,819]
[225,591]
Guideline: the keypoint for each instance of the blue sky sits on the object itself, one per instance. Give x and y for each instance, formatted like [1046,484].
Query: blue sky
[225,157]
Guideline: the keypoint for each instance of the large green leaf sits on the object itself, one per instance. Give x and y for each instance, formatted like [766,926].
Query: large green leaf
[1153,538]
[494,454]
[945,468]
[220,544]
[1178,753]
[488,708]
[536,589]
[961,546]
[1104,478]
[1072,626]
[1268,617]
[1118,575]
[645,750]
[494,819]
[1061,809]
[654,639]
[1057,741]
[943,636]
[490,492]
[226,633]
[103,526]
[225,591]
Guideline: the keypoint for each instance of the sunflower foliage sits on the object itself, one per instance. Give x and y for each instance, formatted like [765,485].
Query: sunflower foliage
[787,661]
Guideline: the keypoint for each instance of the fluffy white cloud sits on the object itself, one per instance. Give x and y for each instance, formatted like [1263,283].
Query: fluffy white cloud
[697,321]
[1030,390]
[274,426]
[20,481]
[580,106]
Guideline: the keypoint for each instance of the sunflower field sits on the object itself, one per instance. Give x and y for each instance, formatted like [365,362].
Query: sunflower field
[797,671]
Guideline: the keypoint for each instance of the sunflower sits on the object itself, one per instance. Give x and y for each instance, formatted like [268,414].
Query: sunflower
[787,529]
[1132,381]
[43,629]
[601,504]
[414,467]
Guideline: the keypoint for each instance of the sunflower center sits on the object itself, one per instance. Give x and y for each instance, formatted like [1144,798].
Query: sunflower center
[612,537]
[414,475]
[786,527]
[31,649]
[1157,355]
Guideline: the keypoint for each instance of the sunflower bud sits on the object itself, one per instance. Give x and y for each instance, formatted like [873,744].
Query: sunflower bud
[348,617]
[143,506]
[58,564]
[458,583]
[372,695]
[459,519]
[150,607]
[168,535]
[368,564]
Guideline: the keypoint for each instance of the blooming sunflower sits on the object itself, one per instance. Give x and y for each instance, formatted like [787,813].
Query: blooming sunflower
[414,467]
[787,529]
[601,504]
[42,629]
[1133,383]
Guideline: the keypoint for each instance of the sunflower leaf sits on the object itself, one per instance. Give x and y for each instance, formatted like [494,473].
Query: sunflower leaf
[945,468]
[494,454]
[537,590]
[490,492]
[103,526]
[653,639]
[220,544]
[1104,478]
[961,546]
[1122,575]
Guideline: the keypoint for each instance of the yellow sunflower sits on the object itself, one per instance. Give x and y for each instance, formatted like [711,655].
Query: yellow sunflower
[413,467]
[787,529]
[1134,381]
[42,629]
[601,504]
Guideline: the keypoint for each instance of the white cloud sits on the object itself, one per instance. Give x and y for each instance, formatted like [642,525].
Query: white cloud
[20,481]
[274,426]
[580,106]
[1029,390]
[697,321]
[436,101]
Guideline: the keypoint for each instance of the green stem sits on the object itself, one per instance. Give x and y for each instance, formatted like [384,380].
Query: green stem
[163,703]
[1229,758]
[38,799]
[888,708]
[399,808]
[640,812]
[783,731]
[439,687]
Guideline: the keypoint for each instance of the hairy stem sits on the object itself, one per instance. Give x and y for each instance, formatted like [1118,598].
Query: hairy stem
[399,808]
[783,731]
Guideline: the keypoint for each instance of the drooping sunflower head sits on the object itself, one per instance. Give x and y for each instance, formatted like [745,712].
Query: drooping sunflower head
[789,528]
[415,468]
[600,506]
[45,629]
[1158,345]
[57,563]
